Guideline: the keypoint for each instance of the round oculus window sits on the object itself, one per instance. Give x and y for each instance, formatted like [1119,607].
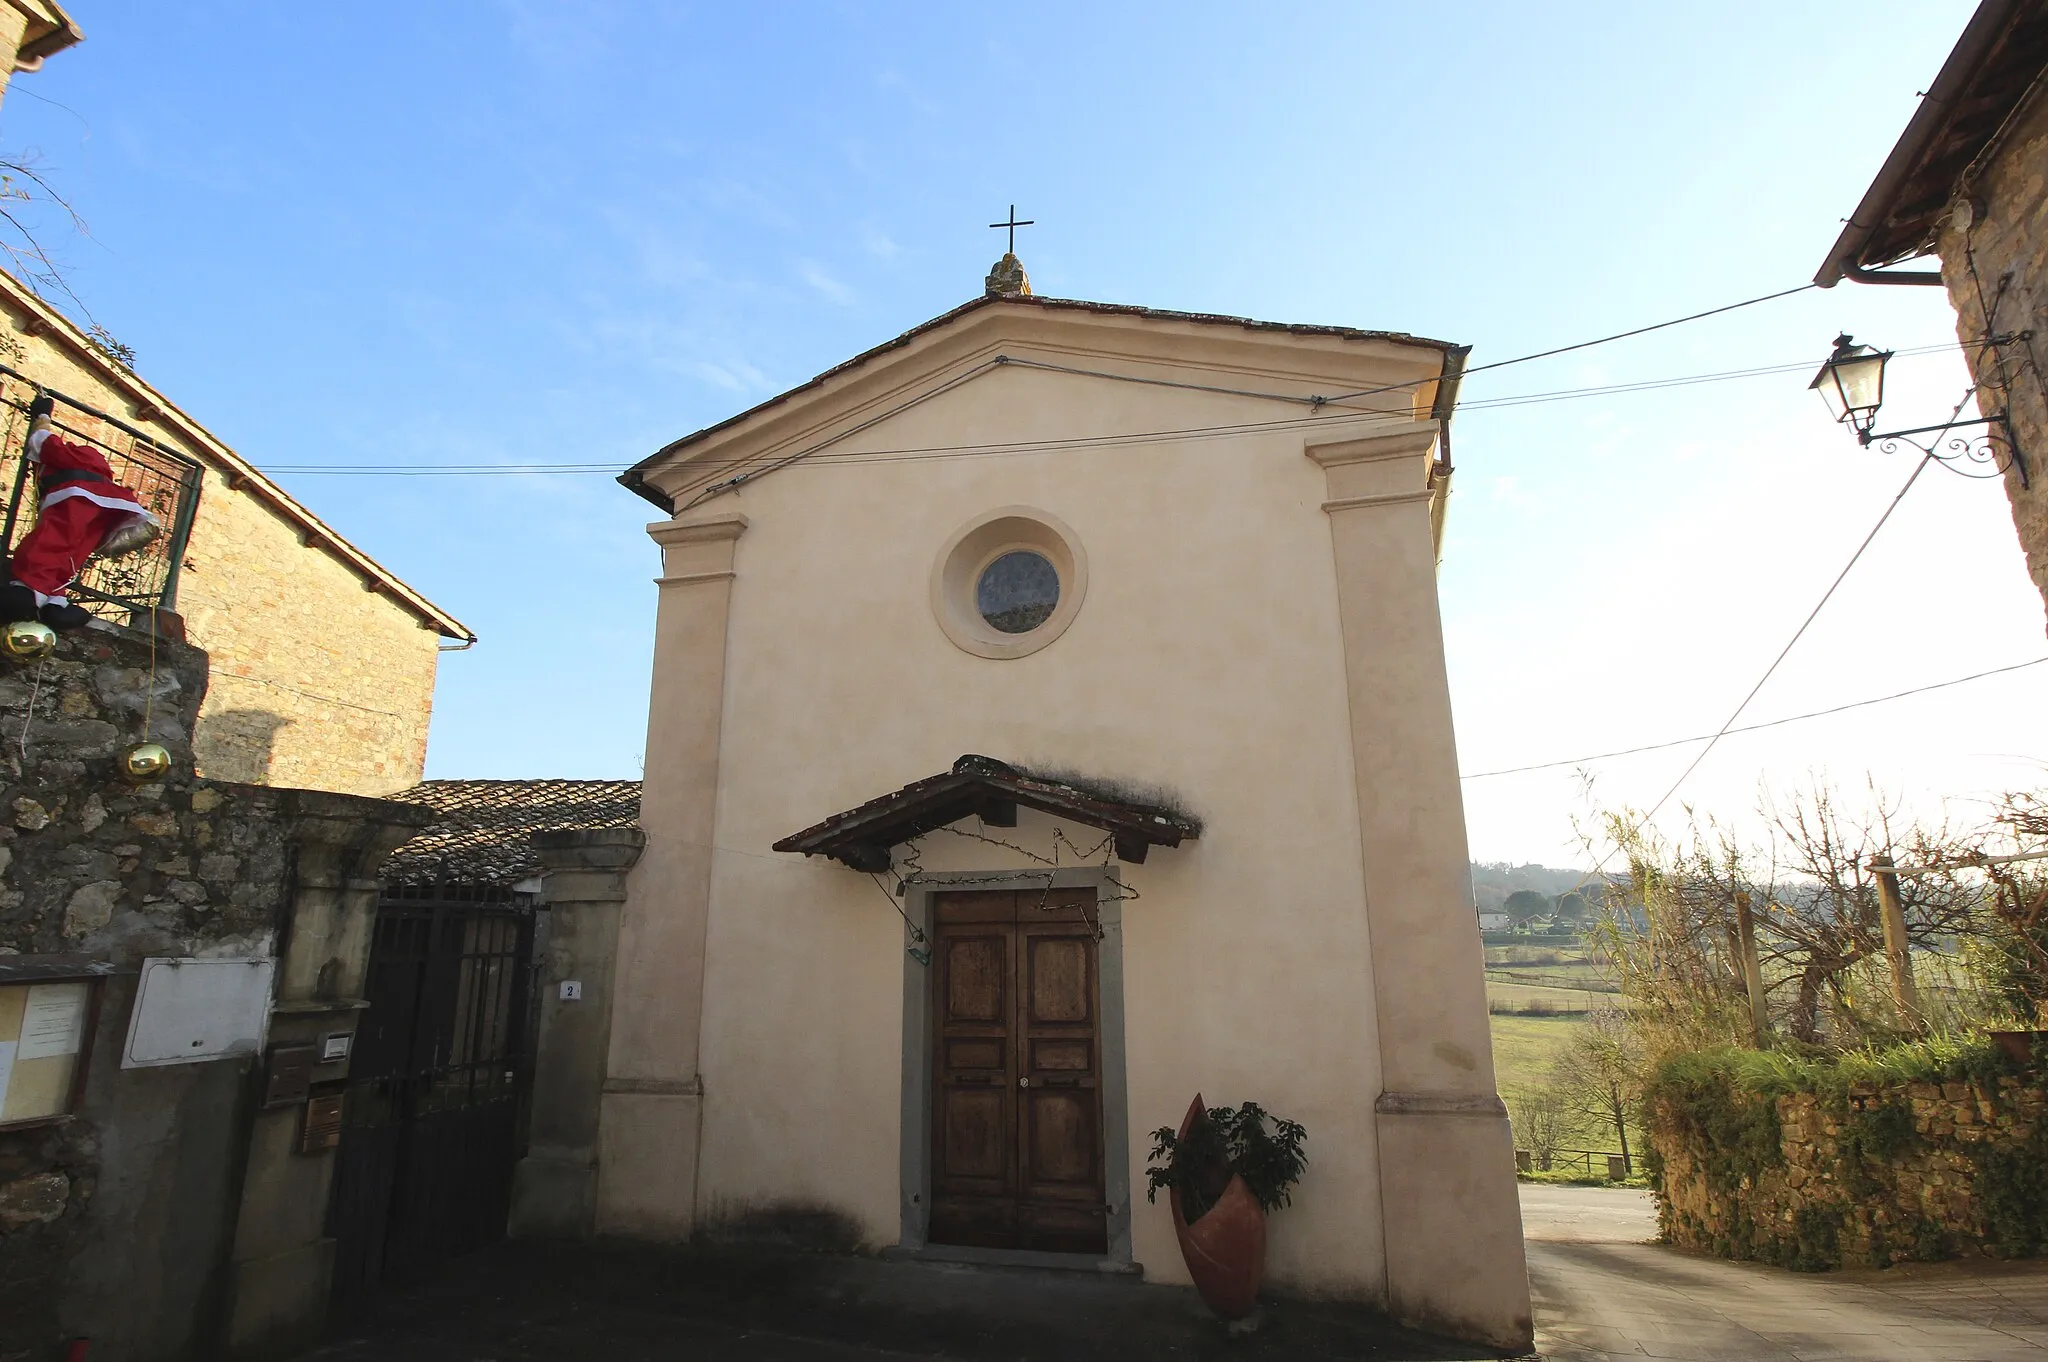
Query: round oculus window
[1017,592]
[1008,582]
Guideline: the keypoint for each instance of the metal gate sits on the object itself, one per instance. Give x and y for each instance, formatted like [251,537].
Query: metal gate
[435,1110]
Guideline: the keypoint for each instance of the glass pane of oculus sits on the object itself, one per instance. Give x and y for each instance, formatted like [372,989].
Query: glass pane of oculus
[1017,592]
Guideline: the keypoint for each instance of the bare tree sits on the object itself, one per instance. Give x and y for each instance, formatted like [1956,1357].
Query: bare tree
[1538,1119]
[22,185]
[1824,919]
[1599,1074]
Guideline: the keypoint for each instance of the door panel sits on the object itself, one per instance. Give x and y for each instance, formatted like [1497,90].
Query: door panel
[1017,1103]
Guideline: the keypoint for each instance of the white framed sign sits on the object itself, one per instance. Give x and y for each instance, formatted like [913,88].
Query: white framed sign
[189,1011]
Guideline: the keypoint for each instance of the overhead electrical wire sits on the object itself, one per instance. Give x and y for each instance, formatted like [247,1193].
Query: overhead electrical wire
[784,461]
[1603,340]
[1727,725]
[924,452]
[1752,728]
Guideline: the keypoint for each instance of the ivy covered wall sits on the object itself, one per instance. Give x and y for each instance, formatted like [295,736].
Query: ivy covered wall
[1925,1152]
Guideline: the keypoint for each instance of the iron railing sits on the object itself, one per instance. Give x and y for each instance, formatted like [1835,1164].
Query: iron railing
[166,479]
[1590,1162]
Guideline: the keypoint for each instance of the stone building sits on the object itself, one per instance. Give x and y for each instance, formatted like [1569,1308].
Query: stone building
[1168,580]
[323,660]
[1968,182]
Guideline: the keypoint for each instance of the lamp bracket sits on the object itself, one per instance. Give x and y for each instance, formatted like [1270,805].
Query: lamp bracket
[1958,450]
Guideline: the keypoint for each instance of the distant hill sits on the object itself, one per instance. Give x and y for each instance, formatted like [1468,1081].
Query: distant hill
[1494,881]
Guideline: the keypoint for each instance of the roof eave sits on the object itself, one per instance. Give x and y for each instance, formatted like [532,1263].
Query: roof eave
[634,478]
[862,836]
[131,385]
[1979,36]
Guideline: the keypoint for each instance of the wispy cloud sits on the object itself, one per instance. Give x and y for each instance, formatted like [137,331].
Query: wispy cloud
[814,274]
[878,243]
[664,347]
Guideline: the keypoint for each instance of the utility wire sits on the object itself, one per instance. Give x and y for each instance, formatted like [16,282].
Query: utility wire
[710,489]
[1790,643]
[923,452]
[1752,728]
[1586,345]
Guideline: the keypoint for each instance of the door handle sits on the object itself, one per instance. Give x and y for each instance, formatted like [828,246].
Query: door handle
[1023,1082]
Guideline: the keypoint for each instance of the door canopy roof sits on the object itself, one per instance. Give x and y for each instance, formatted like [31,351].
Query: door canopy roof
[862,837]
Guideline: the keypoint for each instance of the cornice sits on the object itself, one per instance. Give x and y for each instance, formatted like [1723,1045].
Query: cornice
[704,530]
[1401,444]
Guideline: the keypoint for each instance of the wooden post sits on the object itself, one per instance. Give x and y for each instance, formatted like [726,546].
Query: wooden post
[1752,971]
[1896,947]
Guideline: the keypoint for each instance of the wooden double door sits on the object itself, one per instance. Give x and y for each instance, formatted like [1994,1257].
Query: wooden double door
[1016,1139]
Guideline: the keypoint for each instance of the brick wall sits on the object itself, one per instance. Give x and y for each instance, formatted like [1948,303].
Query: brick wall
[317,682]
[1994,259]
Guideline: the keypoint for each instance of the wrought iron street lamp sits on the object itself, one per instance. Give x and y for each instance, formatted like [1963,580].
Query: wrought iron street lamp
[1852,384]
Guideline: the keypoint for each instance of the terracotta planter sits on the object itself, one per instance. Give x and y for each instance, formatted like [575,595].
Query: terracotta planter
[1225,1250]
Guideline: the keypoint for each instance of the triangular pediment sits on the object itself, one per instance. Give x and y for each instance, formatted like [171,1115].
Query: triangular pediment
[1288,362]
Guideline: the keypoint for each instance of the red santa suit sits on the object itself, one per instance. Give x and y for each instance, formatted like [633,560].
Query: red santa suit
[81,505]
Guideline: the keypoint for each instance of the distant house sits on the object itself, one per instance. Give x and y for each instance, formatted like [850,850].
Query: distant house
[1496,922]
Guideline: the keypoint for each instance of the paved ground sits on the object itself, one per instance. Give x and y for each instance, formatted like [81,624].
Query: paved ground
[584,1302]
[1603,1291]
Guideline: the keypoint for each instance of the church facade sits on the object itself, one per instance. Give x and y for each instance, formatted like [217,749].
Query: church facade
[1049,723]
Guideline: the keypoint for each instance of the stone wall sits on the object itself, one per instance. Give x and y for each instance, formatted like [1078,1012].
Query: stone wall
[1994,259]
[1876,1175]
[319,680]
[118,1221]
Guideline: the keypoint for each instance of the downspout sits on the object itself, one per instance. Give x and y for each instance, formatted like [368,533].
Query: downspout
[1856,274]
[1440,470]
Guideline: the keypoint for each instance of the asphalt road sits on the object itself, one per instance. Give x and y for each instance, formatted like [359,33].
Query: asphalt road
[1604,1291]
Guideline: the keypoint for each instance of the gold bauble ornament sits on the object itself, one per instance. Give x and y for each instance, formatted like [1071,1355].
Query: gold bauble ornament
[144,762]
[27,640]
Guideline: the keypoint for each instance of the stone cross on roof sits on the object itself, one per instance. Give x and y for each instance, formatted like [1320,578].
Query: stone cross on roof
[1007,278]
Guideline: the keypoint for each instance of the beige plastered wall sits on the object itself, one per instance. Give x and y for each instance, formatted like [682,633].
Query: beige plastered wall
[1994,259]
[1207,659]
[316,682]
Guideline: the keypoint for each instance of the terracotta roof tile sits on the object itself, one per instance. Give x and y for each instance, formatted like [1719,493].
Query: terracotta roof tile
[482,834]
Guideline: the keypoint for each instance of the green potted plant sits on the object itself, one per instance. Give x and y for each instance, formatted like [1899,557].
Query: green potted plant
[1222,1170]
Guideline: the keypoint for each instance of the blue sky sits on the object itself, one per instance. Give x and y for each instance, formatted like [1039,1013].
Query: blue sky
[523,232]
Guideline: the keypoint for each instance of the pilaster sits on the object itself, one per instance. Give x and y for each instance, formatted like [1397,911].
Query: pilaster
[1453,1222]
[283,1262]
[653,1094]
[554,1188]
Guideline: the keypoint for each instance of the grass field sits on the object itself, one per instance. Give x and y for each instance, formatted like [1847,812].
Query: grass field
[1524,1048]
[1535,980]
[1527,999]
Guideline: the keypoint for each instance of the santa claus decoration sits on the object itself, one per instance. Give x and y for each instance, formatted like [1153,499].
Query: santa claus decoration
[83,511]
